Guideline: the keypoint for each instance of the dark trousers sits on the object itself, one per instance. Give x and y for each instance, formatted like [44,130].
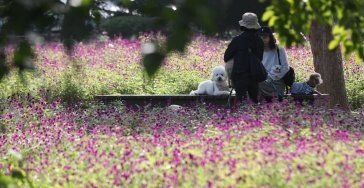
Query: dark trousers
[252,89]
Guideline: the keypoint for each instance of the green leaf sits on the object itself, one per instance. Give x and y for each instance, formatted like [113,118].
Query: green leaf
[76,25]
[23,56]
[152,63]
[340,12]
[6,181]
[333,44]
[3,68]
[291,2]
[268,15]
[337,29]
[17,174]
[272,21]
[87,3]
[178,38]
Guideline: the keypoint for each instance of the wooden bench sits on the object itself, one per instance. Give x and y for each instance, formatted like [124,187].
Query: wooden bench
[316,100]
[183,100]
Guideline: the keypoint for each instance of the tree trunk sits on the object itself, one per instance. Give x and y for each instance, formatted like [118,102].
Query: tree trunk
[329,64]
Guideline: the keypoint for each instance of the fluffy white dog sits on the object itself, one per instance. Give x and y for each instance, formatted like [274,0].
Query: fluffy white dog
[275,71]
[216,86]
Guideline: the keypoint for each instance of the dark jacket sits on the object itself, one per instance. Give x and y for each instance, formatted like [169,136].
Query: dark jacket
[238,49]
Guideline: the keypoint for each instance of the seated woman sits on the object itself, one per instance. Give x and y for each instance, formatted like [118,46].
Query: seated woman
[276,64]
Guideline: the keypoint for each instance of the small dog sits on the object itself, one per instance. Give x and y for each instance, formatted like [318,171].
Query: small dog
[216,86]
[275,71]
[308,87]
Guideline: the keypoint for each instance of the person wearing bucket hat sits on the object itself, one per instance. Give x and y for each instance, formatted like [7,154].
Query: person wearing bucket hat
[276,64]
[250,21]
[238,50]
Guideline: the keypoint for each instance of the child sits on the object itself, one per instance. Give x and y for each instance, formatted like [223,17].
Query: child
[308,87]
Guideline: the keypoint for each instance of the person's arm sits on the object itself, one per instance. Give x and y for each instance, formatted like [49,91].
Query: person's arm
[231,50]
[284,61]
[260,48]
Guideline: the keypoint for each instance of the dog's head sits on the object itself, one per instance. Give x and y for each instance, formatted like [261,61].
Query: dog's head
[315,79]
[276,68]
[219,74]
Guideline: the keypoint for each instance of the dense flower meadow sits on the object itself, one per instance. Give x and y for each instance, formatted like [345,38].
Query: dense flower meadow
[45,142]
[94,145]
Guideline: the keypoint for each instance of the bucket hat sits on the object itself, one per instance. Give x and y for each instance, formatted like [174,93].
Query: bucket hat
[250,21]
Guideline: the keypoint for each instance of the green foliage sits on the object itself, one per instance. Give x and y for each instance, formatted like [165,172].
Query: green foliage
[128,26]
[23,56]
[23,21]
[11,181]
[346,18]
[4,69]
[151,63]
[355,89]
[17,177]
[23,18]
[76,24]
[71,89]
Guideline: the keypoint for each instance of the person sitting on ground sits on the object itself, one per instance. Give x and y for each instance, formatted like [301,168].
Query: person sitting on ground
[308,87]
[276,64]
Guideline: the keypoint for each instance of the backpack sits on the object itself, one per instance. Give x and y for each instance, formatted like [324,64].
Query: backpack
[257,69]
[289,77]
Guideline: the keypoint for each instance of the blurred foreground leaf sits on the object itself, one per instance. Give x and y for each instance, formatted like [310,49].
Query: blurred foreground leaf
[152,62]
[23,56]
[3,68]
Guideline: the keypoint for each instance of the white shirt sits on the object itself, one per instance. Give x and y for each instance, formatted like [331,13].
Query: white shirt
[270,58]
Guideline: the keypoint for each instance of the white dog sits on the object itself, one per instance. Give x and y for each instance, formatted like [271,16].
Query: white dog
[275,71]
[216,86]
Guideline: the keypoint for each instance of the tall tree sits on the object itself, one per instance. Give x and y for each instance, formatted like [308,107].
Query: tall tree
[329,23]
[328,63]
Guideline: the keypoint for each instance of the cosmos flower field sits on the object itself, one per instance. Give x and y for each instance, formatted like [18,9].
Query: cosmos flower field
[48,142]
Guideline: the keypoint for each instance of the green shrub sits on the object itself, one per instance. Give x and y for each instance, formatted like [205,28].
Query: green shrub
[71,87]
[127,26]
[355,90]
